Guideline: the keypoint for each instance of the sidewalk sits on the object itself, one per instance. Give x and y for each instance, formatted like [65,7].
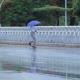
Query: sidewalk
[48,44]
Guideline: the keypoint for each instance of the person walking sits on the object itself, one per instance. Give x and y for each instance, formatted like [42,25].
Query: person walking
[32,25]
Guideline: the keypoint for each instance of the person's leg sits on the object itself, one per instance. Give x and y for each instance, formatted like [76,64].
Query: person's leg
[34,39]
[31,38]
[33,42]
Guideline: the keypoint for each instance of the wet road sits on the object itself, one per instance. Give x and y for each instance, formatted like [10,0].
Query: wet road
[56,59]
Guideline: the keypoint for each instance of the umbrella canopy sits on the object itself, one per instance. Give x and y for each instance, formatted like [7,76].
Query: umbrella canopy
[33,23]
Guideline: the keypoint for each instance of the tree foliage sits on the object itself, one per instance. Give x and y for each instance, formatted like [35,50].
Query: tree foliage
[77,7]
[18,12]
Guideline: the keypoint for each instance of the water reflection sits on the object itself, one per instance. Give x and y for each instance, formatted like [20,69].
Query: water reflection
[33,59]
[44,59]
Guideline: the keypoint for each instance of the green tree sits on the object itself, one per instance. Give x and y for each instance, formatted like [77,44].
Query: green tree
[17,12]
[75,14]
[77,7]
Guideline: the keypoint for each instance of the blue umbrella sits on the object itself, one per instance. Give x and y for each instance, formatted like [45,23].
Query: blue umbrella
[33,23]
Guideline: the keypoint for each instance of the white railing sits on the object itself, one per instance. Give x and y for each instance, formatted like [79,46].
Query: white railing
[44,34]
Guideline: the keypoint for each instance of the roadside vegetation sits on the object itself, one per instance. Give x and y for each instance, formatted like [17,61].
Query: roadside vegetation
[50,12]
